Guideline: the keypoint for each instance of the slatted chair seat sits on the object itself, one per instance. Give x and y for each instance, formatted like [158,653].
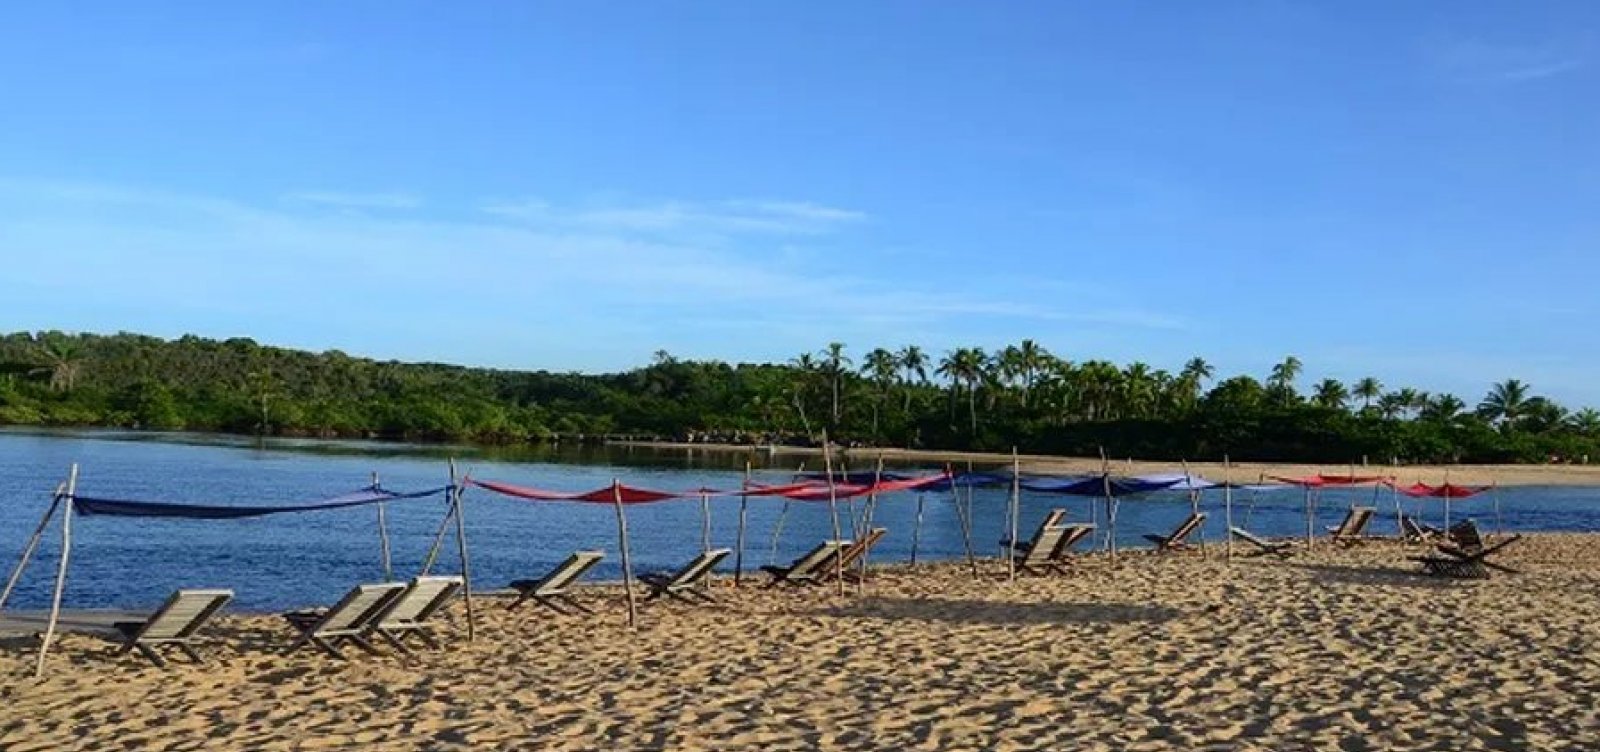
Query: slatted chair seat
[808,568]
[411,613]
[1040,558]
[1454,561]
[554,590]
[174,624]
[1051,519]
[686,583]
[348,621]
[852,556]
[1261,546]
[1354,525]
[1178,539]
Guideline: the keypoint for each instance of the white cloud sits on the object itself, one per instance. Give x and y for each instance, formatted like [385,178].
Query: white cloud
[356,200]
[721,218]
[1479,61]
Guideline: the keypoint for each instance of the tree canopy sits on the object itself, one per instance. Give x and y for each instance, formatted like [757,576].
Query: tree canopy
[966,398]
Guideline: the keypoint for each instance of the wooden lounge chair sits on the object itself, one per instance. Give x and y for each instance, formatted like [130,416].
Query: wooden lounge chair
[853,555]
[1465,535]
[409,614]
[1073,534]
[1413,531]
[685,583]
[1053,519]
[1454,561]
[808,568]
[1353,527]
[1261,546]
[1179,537]
[174,624]
[348,621]
[1039,558]
[554,590]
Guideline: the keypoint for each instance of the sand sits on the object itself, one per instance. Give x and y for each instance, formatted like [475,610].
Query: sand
[1334,649]
[865,458]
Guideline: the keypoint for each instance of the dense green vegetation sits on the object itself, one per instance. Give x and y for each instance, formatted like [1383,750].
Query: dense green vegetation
[964,399]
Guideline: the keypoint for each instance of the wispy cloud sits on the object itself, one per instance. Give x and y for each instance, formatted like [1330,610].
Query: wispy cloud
[1474,60]
[720,217]
[341,200]
[562,283]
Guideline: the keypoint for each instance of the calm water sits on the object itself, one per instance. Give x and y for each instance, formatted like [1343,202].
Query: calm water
[306,559]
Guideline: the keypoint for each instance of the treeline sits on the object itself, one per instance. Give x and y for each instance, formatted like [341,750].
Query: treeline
[965,399]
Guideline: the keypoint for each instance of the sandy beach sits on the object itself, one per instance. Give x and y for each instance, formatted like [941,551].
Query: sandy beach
[865,458]
[1332,649]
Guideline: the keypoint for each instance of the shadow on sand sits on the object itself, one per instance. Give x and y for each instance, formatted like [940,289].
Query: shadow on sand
[1331,574]
[1001,613]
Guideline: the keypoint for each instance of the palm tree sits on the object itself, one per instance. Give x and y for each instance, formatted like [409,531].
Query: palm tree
[1331,393]
[964,366]
[1283,376]
[1585,421]
[1391,405]
[915,363]
[836,363]
[1191,380]
[1444,408]
[881,367]
[1368,389]
[62,359]
[1505,403]
[1032,359]
[1138,389]
[1409,399]
[800,391]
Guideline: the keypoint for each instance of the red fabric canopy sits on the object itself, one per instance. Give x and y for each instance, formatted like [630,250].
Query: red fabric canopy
[1446,491]
[1319,480]
[607,495]
[805,491]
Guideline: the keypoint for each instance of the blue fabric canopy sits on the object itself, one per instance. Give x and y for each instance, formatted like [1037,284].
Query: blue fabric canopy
[1097,485]
[86,505]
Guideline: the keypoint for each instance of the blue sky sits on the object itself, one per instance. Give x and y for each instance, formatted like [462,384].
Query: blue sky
[1400,190]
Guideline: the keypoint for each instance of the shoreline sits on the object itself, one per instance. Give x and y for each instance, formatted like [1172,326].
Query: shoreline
[1241,472]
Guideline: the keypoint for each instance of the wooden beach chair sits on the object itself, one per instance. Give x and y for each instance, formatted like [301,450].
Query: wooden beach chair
[686,583]
[1040,558]
[348,621]
[1454,561]
[1354,526]
[410,613]
[1413,531]
[554,590]
[1178,539]
[807,568]
[1465,535]
[853,556]
[1053,519]
[173,625]
[1073,534]
[1261,546]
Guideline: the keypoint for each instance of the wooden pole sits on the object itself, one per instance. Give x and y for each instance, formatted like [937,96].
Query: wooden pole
[61,571]
[1016,510]
[438,536]
[1227,508]
[33,543]
[833,508]
[1494,495]
[383,536]
[1111,507]
[461,550]
[1194,503]
[627,561]
[966,522]
[1447,499]
[916,531]
[866,526]
[705,521]
[783,514]
[738,546]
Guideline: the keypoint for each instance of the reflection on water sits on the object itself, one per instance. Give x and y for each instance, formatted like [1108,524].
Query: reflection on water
[302,559]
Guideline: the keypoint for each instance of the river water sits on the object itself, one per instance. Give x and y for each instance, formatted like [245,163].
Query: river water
[292,560]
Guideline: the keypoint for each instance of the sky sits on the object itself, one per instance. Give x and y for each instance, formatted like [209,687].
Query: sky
[1401,190]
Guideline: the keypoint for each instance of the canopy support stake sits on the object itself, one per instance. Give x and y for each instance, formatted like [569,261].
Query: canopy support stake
[33,543]
[61,571]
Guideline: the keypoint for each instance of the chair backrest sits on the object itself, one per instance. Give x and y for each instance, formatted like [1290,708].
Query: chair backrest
[1044,546]
[184,612]
[359,607]
[698,568]
[1187,528]
[568,572]
[1466,535]
[857,549]
[1249,537]
[809,564]
[421,600]
[1053,519]
[1072,535]
[1355,522]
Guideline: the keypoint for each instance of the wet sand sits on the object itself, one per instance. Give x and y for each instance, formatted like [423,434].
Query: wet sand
[1333,649]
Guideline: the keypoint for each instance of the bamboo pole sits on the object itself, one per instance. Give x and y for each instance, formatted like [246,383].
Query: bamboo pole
[783,514]
[966,522]
[627,561]
[833,508]
[1016,511]
[33,543]
[1311,529]
[383,536]
[738,545]
[461,550]
[1111,507]
[1494,495]
[705,521]
[61,571]
[438,536]
[1446,499]
[866,526]
[1227,508]
[916,531]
